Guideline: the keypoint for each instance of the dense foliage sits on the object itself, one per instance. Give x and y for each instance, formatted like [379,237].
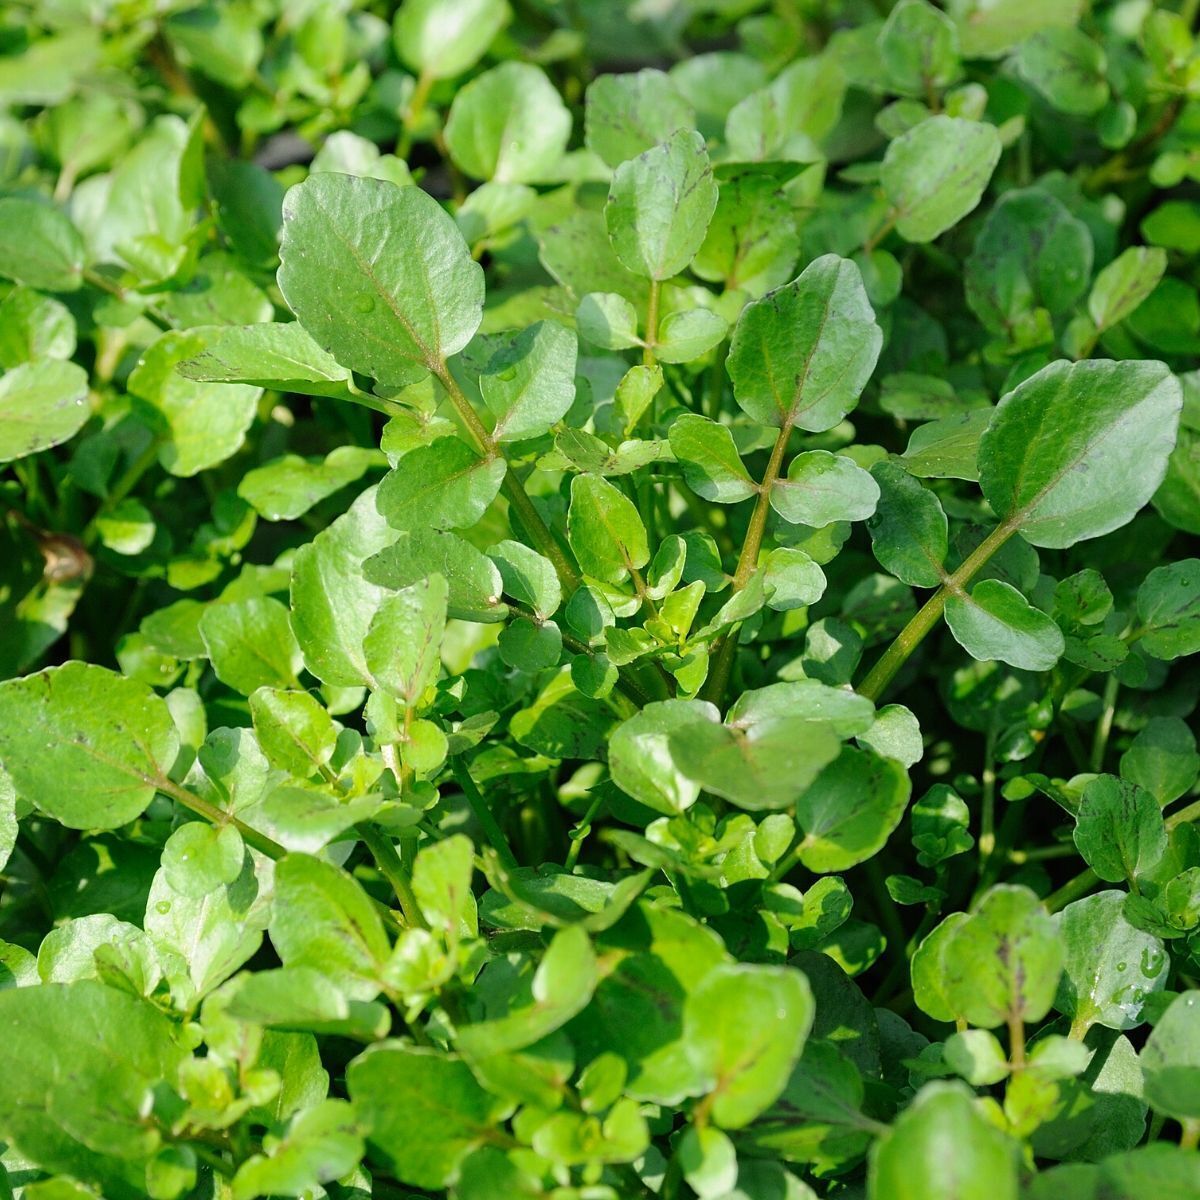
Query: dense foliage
[596,599]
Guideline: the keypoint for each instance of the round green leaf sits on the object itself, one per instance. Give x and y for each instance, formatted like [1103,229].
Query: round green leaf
[41,404]
[659,206]
[936,173]
[508,124]
[379,275]
[85,744]
[803,354]
[1077,449]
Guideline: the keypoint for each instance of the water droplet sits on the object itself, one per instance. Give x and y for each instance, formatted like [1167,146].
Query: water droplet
[163,906]
[365,304]
[1122,966]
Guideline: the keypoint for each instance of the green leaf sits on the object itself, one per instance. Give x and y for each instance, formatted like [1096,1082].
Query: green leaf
[850,810]
[198,424]
[1003,962]
[1119,830]
[445,485]
[303,999]
[1111,969]
[1067,67]
[711,464]
[33,327]
[529,383]
[947,449]
[294,730]
[73,1094]
[251,645]
[608,321]
[627,114]
[528,578]
[202,940]
[288,487]
[508,124]
[803,354]
[763,757]
[918,45]
[1168,606]
[1059,461]
[895,734]
[378,275]
[1162,759]
[1031,253]
[751,240]
[198,858]
[404,641]
[322,1144]
[909,531]
[821,488]
[444,38]
[398,1088]
[282,357]
[442,884]
[474,582]
[708,1161]
[943,1147]
[1124,284]
[936,173]
[333,603]
[996,622]
[41,404]
[744,1028]
[605,530]
[791,579]
[39,246]
[1171,1060]
[689,334]
[640,756]
[85,744]
[321,918]
[659,206]
[542,1002]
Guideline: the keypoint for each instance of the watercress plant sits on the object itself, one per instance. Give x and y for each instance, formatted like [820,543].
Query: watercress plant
[599,601]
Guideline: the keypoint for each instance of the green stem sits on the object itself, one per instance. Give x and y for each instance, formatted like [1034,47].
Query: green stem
[218,817]
[484,815]
[582,828]
[128,481]
[1016,1043]
[914,633]
[1104,726]
[1073,889]
[987,825]
[392,868]
[651,339]
[718,679]
[514,489]
[1189,1137]
[888,225]
[413,113]
[106,285]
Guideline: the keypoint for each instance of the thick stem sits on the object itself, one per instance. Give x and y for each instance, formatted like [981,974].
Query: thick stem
[484,815]
[718,679]
[413,113]
[1016,1043]
[394,871]
[1112,686]
[514,489]
[219,818]
[651,339]
[914,633]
